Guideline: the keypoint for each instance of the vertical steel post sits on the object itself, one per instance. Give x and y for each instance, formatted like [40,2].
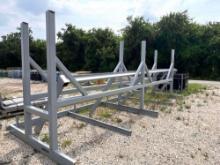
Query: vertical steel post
[52,82]
[154,76]
[121,61]
[26,76]
[172,69]
[121,52]
[155,59]
[143,57]
[172,56]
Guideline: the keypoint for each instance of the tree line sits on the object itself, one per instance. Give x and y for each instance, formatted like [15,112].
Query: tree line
[197,47]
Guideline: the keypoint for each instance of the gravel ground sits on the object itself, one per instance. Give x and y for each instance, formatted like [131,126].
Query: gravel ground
[10,88]
[182,134]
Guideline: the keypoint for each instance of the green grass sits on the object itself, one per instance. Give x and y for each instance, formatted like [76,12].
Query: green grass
[158,97]
[84,111]
[192,89]
[105,112]
[164,98]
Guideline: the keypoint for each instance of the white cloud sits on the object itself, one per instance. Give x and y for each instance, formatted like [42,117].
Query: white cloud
[98,13]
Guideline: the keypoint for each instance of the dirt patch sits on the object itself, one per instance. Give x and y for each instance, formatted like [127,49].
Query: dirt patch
[10,88]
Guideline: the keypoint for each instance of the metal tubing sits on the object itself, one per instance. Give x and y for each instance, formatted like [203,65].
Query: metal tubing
[26,76]
[172,69]
[38,68]
[74,90]
[100,123]
[143,58]
[172,56]
[72,100]
[37,111]
[121,52]
[155,59]
[121,69]
[133,82]
[52,85]
[68,74]
[154,76]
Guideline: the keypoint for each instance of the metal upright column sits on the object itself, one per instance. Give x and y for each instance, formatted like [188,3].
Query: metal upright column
[155,59]
[26,76]
[172,69]
[121,61]
[52,83]
[143,55]
[121,52]
[154,75]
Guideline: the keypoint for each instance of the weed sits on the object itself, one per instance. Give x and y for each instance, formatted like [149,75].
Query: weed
[163,109]
[117,120]
[187,106]
[192,156]
[193,88]
[206,156]
[45,138]
[178,118]
[179,102]
[105,113]
[199,105]
[194,134]
[84,111]
[66,143]
[180,108]
[168,110]
[131,121]
[158,97]
[120,156]
[81,125]
[213,93]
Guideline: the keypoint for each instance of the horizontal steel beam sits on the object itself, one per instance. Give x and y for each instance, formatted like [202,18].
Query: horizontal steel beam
[37,111]
[77,99]
[100,123]
[69,91]
[114,75]
[37,120]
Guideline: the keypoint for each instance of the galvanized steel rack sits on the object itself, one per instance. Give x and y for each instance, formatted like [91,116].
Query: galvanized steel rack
[126,82]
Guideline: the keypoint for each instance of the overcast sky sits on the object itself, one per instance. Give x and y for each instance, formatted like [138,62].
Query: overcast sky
[87,14]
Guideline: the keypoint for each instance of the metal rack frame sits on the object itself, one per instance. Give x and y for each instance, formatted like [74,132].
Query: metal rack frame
[127,82]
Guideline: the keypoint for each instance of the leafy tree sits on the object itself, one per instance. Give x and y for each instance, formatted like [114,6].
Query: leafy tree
[71,48]
[10,51]
[38,52]
[137,30]
[197,46]
[173,32]
[101,50]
